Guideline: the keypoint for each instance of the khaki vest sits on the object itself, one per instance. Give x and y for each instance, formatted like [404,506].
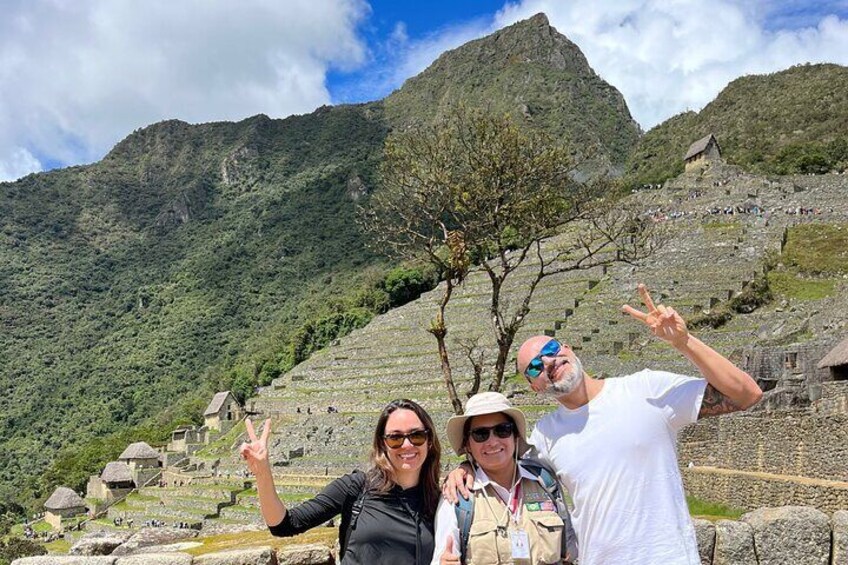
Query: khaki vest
[489,546]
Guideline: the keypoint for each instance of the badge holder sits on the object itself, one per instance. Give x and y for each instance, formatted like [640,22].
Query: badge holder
[520,544]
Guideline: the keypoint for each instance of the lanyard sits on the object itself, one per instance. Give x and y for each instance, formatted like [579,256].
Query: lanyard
[511,506]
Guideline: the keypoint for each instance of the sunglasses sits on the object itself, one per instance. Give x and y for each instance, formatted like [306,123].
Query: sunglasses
[416,438]
[536,365]
[502,430]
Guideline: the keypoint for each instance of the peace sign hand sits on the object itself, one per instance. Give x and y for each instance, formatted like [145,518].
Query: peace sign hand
[664,321]
[255,453]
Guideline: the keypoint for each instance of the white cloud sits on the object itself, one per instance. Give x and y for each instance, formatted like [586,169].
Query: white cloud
[17,163]
[78,76]
[667,57]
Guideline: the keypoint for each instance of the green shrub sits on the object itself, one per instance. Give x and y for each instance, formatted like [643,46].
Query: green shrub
[404,284]
[15,548]
[314,335]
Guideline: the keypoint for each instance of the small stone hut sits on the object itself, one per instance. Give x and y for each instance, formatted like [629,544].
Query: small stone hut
[701,153]
[63,503]
[114,482]
[837,361]
[223,412]
[117,475]
[185,437]
[143,462]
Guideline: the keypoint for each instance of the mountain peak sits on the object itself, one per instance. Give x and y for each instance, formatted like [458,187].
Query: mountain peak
[532,72]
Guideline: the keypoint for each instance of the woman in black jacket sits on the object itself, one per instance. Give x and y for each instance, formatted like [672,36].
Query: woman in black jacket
[387,513]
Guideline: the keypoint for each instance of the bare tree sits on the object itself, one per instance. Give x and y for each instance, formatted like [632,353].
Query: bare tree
[477,189]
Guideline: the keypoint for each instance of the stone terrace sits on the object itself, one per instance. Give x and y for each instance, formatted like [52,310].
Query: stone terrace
[709,258]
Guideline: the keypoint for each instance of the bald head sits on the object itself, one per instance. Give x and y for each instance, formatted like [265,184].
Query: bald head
[530,349]
[561,373]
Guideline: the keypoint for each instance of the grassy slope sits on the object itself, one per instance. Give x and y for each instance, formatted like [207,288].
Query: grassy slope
[764,123]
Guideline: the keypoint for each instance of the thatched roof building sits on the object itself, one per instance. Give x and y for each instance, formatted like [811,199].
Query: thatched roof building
[701,146]
[64,498]
[116,472]
[836,356]
[138,450]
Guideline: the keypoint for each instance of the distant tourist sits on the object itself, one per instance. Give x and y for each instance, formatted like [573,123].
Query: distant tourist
[387,513]
[516,510]
[612,441]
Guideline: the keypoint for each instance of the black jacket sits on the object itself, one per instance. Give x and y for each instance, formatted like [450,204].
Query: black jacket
[390,529]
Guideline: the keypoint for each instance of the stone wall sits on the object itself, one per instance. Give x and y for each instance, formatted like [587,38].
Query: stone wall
[772,536]
[834,400]
[313,554]
[750,490]
[768,536]
[800,443]
[791,369]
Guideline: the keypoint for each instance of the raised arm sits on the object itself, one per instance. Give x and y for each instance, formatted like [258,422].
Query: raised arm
[255,454]
[729,388]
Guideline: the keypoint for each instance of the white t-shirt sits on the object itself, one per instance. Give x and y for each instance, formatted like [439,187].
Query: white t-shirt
[617,457]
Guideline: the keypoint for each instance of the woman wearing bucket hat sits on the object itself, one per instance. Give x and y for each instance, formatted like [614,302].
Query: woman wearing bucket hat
[515,513]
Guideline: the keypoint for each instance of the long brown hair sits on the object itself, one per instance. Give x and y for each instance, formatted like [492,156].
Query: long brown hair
[382,473]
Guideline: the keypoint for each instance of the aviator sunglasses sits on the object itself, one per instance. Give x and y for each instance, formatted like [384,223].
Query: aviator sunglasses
[502,430]
[416,438]
[536,365]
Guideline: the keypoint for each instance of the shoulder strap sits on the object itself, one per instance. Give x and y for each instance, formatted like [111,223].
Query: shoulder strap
[551,484]
[356,510]
[464,516]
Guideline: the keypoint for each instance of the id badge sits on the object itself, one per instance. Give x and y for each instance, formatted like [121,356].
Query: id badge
[520,544]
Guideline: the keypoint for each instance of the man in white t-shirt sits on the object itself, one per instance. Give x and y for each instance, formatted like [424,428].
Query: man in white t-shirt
[613,442]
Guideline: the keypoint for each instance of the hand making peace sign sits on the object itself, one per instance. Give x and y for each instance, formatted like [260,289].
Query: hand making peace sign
[255,453]
[664,321]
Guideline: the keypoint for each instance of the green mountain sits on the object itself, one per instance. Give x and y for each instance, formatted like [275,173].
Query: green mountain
[132,283]
[192,256]
[533,72]
[793,121]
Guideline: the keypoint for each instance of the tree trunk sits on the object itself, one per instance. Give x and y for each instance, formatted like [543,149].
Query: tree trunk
[446,373]
[475,386]
[439,331]
[504,344]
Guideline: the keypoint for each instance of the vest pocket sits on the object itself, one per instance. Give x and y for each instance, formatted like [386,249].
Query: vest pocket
[547,547]
[483,542]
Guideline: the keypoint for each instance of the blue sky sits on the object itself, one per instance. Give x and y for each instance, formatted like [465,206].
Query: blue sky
[79,76]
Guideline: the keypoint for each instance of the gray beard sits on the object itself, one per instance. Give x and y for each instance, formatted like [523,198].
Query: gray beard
[567,385]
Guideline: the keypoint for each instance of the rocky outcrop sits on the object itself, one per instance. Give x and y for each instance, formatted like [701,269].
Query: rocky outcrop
[839,555]
[312,554]
[152,537]
[255,556]
[156,559]
[99,543]
[768,536]
[705,534]
[790,535]
[66,560]
[734,544]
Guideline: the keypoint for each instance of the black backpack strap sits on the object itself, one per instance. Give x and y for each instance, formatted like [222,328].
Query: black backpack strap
[356,510]
[464,516]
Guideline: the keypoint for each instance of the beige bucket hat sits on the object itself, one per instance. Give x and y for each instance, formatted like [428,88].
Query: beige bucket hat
[487,403]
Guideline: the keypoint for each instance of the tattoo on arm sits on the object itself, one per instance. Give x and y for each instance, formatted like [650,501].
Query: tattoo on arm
[715,404]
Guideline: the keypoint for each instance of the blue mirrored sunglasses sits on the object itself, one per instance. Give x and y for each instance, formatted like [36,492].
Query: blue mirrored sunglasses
[536,366]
